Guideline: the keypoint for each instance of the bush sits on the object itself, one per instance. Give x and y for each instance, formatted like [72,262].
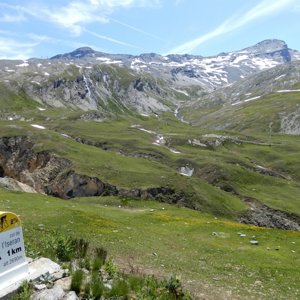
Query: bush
[174,286]
[97,264]
[110,268]
[96,288]
[81,247]
[101,253]
[76,282]
[120,288]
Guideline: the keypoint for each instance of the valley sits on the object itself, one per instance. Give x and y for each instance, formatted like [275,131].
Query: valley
[173,163]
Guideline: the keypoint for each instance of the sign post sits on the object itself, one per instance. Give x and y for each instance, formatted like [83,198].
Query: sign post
[13,264]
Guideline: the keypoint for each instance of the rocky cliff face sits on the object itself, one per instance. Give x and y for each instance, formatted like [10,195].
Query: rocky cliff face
[53,175]
[43,171]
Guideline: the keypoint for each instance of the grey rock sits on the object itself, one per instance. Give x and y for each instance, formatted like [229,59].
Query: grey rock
[14,185]
[56,293]
[71,296]
[40,287]
[58,275]
[42,267]
[64,283]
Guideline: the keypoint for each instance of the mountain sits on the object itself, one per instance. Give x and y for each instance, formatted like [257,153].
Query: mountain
[189,70]
[150,149]
[267,101]
[146,84]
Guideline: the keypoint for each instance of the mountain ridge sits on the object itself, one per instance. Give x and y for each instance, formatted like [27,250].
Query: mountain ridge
[147,84]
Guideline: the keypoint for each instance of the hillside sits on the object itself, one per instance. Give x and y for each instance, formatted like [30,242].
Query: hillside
[268,102]
[189,153]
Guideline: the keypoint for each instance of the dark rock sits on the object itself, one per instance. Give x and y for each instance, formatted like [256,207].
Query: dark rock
[264,216]
[70,185]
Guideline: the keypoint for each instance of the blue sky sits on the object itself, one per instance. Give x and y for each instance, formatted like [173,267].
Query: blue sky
[39,28]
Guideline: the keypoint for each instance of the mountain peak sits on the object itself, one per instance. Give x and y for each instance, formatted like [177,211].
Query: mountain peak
[78,53]
[268,46]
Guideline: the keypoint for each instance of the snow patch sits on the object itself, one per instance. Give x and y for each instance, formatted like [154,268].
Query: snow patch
[244,101]
[174,151]
[38,126]
[137,126]
[288,91]
[148,131]
[36,82]
[277,78]
[41,109]
[182,92]
[46,74]
[263,64]
[24,64]
[102,58]
[240,58]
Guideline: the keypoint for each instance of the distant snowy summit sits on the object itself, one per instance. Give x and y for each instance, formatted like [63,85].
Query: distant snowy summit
[195,70]
[149,83]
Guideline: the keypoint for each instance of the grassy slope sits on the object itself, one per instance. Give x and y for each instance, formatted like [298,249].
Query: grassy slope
[181,238]
[250,117]
[233,162]
[208,254]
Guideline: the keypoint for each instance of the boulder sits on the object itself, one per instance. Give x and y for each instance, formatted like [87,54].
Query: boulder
[56,293]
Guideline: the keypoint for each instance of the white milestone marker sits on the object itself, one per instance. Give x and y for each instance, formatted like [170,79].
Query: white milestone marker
[13,264]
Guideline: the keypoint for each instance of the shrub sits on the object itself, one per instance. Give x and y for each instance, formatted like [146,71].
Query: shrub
[110,268]
[64,248]
[81,247]
[101,253]
[97,264]
[120,288]
[76,282]
[96,287]
[174,286]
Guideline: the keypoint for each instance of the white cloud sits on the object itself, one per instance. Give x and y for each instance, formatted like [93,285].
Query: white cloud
[264,8]
[12,49]
[104,37]
[40,38]
[9,18]
[77,14]
[136,29]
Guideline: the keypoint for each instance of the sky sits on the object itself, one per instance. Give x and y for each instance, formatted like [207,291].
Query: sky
[39,28]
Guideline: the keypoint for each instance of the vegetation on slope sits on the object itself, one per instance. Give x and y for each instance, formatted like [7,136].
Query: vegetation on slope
[211,255]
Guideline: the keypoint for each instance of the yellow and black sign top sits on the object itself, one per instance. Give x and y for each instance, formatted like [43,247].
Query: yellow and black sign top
[8,220]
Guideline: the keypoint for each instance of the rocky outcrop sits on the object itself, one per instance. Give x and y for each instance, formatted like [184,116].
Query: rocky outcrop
[41,271]
[47,173]
[70,184]
[264,216]
[14,185]
[19,161]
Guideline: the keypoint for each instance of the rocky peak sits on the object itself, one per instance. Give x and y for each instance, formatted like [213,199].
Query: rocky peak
[274,49]
[77,54]
[267,46]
